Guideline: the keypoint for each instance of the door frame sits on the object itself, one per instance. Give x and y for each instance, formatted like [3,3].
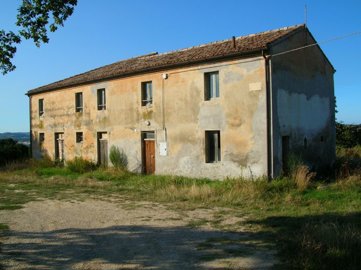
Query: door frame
[59,152]
[143,139]
[99,138]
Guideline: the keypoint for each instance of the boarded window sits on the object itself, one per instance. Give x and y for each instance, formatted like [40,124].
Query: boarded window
[213,146]
[79,137]
[79,102]
[211,85]
[101,99]
[41,107]
[147,93]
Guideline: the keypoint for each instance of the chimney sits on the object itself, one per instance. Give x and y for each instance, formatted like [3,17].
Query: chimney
[234,42]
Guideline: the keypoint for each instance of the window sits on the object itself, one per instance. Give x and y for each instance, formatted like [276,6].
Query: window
[79,102]
[101,99]
[79,137]
[211,85]
[41,139]
[41,107]
[213,146]
[147,94]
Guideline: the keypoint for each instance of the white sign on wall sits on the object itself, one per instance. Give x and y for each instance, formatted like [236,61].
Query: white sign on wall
[163,148]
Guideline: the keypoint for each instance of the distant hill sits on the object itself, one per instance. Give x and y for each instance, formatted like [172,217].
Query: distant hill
[21,137]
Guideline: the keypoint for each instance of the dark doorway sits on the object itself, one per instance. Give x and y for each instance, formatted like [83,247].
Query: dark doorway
[285,154]
[59,146]
[102,139]
[148,152]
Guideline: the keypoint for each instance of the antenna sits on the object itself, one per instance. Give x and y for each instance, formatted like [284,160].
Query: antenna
[305,14]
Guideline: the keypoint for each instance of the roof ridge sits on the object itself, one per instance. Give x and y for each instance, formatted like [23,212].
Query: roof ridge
[237,37]
[183,56]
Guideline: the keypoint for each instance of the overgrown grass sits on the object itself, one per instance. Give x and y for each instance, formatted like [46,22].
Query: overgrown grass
[316,225]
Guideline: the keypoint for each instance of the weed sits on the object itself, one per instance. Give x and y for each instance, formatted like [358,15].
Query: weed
[118,158]
[3,227]
[302,177]
[80,165]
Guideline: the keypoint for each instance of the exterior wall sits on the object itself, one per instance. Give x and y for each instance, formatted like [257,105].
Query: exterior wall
[303,103]
[239,113]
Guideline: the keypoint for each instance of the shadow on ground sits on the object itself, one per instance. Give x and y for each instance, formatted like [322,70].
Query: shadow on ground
[325,241]
[135,247]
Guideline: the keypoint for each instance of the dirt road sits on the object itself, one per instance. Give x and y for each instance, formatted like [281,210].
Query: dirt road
[100,234]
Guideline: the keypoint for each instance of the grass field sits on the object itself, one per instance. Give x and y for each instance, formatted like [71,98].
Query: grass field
[316,225]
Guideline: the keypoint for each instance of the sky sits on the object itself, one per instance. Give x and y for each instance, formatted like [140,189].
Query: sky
[101,32]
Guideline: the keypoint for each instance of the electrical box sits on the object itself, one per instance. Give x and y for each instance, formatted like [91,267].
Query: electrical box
[163,148]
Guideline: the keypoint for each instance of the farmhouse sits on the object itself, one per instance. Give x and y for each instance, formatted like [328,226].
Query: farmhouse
[241,107]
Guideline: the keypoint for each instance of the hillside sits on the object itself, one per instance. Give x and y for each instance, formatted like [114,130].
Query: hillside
[21,137]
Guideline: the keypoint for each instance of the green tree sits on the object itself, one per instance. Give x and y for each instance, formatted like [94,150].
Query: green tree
[10,151]
[35,19]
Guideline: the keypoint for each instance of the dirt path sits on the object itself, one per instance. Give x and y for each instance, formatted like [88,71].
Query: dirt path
[96,234]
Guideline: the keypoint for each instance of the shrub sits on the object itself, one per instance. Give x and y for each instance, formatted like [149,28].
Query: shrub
[118,158]
[11,151]
[80,165]
[348,162]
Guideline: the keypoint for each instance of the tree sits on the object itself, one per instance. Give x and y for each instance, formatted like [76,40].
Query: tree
[35,19]
[11,151]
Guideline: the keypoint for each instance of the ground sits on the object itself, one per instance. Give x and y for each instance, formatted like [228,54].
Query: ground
[115,233]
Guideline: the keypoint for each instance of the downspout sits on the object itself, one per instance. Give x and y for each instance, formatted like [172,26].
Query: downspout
[268,68]
[31,131]
[164,77]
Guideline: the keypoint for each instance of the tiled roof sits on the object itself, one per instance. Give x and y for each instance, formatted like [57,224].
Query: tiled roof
[203,53]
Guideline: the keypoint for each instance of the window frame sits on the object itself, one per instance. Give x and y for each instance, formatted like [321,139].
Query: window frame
[145,93]
[213,146]
[79,102]
[41,107]
[211,85]
[101,99]
[79,137]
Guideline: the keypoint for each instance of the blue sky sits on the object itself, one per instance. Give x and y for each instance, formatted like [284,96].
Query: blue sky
[101,32]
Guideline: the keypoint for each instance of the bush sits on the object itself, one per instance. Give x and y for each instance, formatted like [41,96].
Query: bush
[80,165]
[348,135]
[348,162]
[118,158]
[11,151]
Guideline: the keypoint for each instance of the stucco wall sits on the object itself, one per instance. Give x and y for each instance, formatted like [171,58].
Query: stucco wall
[303,103]
[239,113]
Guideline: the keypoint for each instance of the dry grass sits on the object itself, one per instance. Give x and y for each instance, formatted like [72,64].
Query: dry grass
[330,246]
[190,193]
[302,177]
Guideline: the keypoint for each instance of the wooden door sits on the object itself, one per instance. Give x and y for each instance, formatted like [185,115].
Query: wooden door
[149,156]
[103,151]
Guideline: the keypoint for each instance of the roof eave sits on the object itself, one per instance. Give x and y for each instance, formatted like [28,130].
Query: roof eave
[148,70]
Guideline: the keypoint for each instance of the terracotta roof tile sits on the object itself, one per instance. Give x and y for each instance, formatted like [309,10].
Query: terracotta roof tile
[189,56]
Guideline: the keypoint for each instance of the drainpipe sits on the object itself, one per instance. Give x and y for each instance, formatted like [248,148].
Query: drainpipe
[31,131]
[270,150]
[164,77]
